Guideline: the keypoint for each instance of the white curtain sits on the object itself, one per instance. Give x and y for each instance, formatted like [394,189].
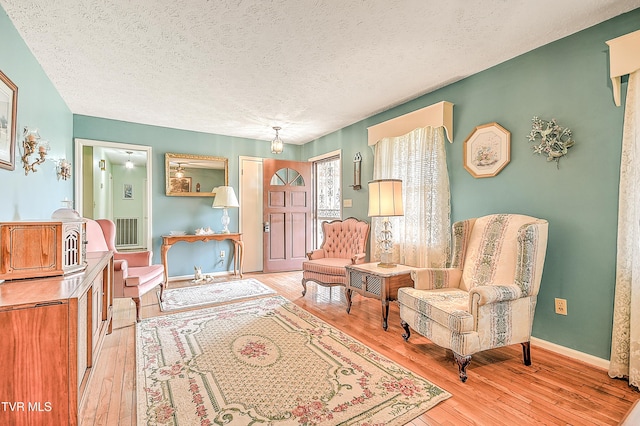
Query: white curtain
[421,237]
[625,344]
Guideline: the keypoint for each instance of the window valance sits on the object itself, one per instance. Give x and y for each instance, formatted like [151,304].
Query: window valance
[624,58]
[436,115]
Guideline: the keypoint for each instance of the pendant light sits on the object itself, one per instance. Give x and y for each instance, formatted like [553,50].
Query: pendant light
[276,144]
[179,171]
[129,163]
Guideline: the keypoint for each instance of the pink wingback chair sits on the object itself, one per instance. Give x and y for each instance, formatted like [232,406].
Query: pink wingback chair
[345,243]
[134,275]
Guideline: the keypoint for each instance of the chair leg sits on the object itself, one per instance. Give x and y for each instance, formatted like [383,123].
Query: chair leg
[526,352]
[463,362]
[136,300]
[407,332]
[304,286]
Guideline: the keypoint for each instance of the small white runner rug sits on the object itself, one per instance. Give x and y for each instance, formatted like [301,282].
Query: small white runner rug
[212,294]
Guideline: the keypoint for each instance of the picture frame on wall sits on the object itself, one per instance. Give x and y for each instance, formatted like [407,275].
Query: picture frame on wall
[127,191]
[487,150]
[8,111]
[180,184]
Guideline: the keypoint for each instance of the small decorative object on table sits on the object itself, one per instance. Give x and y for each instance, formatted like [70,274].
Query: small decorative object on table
[552,140]
[204,231]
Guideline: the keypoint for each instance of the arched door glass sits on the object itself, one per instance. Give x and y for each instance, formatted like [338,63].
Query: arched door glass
[287,176]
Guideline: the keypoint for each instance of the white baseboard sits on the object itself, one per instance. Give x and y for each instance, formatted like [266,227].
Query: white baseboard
[191,277]
[571,353]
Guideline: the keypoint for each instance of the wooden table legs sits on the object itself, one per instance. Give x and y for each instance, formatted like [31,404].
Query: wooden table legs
[238,249]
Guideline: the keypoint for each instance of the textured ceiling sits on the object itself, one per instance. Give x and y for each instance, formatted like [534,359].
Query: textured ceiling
[239,67]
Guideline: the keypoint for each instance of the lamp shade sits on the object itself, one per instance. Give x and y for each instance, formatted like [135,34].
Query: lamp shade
[385,197]
[225,197]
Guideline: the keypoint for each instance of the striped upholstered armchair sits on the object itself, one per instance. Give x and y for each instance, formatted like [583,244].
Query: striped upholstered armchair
[487,297]
[344,243]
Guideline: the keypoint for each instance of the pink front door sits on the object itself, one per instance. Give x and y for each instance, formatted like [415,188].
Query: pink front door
[287,214]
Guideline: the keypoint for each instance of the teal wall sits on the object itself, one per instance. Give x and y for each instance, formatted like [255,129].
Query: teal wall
[40,106]
[183,213]
[567,80]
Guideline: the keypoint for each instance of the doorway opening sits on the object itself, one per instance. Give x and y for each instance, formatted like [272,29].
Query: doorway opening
[114,182]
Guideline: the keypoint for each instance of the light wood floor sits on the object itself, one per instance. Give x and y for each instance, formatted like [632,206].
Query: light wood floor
[500,390]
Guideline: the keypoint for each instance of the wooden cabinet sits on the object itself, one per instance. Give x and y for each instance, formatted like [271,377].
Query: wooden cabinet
[51,333]
[41,249]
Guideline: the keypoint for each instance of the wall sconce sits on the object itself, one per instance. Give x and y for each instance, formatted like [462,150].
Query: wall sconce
[357,162]
[63,169]
[31,143]
[102,164]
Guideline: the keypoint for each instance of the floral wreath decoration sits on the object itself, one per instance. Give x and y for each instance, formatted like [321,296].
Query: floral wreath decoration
[551,139]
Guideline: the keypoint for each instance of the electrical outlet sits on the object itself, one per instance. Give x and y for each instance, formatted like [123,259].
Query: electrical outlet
[561,306]
[222,254]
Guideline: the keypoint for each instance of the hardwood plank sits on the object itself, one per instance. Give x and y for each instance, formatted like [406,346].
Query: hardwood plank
[501,390]
[127,412]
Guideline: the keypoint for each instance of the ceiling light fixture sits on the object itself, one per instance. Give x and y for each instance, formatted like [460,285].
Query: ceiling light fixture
[276,145]
[179,171]
[129,163]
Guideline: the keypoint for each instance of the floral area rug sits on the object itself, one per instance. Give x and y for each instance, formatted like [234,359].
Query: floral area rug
[268,362]
[212,294]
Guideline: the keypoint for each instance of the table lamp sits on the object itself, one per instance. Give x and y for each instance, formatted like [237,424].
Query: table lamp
[385,199]
[225,197]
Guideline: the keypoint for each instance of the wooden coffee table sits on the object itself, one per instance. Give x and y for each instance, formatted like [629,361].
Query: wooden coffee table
[370,280]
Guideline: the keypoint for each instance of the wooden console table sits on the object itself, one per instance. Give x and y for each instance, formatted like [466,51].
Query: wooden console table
[170,240]
[370,280]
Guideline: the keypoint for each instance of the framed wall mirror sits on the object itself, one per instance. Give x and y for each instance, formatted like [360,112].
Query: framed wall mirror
[195,175]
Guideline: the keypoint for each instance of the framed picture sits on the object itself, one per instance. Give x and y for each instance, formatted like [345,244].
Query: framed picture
[180,184]
[487,150]
[127,191]
[8,108]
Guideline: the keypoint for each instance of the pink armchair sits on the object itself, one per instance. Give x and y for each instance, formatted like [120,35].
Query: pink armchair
[345,243]
[134,275]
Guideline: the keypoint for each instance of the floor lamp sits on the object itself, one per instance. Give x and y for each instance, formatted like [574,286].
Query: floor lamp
[225,197]
[385,199]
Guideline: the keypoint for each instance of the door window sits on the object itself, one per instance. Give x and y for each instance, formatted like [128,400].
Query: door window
[287,176]
[328,193]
